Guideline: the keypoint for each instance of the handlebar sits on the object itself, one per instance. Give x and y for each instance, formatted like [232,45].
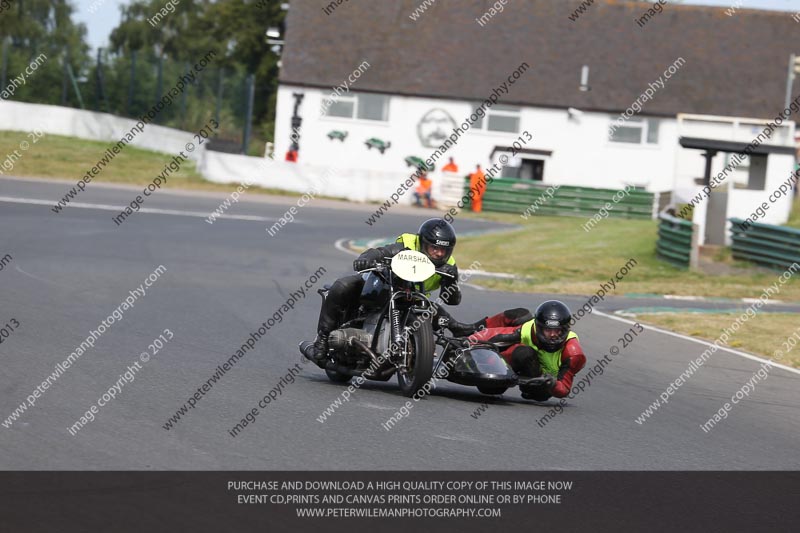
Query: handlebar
[379,264]
[382,264]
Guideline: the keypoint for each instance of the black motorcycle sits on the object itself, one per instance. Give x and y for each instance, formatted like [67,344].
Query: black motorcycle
[391,331]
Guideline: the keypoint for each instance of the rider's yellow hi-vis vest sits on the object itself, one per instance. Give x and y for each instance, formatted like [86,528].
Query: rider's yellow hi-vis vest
[550,362]
[411,241]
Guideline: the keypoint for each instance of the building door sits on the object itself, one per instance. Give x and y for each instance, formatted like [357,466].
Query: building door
[532,169]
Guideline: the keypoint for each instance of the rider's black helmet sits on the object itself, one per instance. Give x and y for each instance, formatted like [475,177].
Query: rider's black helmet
[437,232]
[552,314]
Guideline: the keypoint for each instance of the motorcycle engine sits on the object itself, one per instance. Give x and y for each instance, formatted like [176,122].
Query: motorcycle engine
[340,339]
[371,324]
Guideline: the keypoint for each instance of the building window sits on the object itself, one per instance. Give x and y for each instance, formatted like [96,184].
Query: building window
[503,118]
[343,107]
[361,106]
[635,131]
[373,107]
[478,124]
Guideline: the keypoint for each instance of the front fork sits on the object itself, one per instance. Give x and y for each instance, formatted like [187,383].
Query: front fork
[400,331]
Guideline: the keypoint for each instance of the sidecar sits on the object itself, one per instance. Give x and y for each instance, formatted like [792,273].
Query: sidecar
[477,365]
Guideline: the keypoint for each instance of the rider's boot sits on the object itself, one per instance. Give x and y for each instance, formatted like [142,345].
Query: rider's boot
[316,351]
[460,329]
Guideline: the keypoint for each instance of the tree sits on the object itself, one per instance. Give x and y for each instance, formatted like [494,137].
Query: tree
[34,27]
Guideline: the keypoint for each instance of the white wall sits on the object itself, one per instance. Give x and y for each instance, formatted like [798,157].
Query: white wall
[582,155]
[357,185]
[57,120]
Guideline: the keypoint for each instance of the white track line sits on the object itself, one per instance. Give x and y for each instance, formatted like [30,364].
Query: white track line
[37,278]
[699,341]
[341,247]
[119,209]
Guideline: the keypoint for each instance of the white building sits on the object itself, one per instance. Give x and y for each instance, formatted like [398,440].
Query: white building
[406,84]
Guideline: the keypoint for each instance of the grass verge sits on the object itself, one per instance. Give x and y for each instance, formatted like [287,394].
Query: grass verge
[558,256]
[69,158]
[760,335]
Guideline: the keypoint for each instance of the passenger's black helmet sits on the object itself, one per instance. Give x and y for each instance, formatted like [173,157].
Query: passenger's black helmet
[552,314]
[437,232]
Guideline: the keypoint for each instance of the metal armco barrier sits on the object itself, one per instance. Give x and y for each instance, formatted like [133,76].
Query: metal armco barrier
[776,247]
[677,241]
[510,195]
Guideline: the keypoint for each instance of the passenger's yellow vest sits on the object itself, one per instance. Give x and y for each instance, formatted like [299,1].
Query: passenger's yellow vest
[550,362]
[411,241]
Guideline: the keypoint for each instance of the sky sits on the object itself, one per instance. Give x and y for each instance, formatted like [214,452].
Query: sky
[106,14]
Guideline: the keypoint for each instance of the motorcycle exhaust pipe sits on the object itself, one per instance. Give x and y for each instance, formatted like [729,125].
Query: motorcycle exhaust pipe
[367,350]
[382,375]
[378,375]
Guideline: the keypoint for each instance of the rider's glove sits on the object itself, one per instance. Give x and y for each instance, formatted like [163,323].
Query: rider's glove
[363,264]
[450,270]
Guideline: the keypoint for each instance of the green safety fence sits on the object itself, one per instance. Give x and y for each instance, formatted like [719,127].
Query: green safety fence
[776,247]
[510,195]
[674,243]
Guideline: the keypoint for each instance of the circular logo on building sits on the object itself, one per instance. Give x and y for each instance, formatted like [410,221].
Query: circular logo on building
[434,127]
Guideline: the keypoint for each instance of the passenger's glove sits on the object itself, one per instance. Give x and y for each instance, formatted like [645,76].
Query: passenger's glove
[363,264]
[541,392]
[548,383]
[450,270]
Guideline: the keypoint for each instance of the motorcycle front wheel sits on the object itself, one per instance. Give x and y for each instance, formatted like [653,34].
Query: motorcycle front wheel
[420,360]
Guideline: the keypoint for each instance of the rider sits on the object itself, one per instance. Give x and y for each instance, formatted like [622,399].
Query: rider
[436,238]
[543,345]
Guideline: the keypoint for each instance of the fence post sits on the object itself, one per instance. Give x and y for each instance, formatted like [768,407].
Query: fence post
[694,253]
[132,82]
[183,101]
[5,62]
[251,88]
[64,77]
[656,203]
[101,94]
[75,85]
[160,82]
[219,97]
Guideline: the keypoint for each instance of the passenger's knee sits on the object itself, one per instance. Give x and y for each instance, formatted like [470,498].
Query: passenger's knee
[518,316]
[525,361]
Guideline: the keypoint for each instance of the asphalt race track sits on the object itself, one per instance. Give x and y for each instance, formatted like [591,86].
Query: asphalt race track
[69,271]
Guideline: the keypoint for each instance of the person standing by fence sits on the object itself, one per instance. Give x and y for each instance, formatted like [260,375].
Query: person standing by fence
[477,185]
[423,190]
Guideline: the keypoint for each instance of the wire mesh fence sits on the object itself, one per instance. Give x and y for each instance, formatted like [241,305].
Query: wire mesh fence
[130,84]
